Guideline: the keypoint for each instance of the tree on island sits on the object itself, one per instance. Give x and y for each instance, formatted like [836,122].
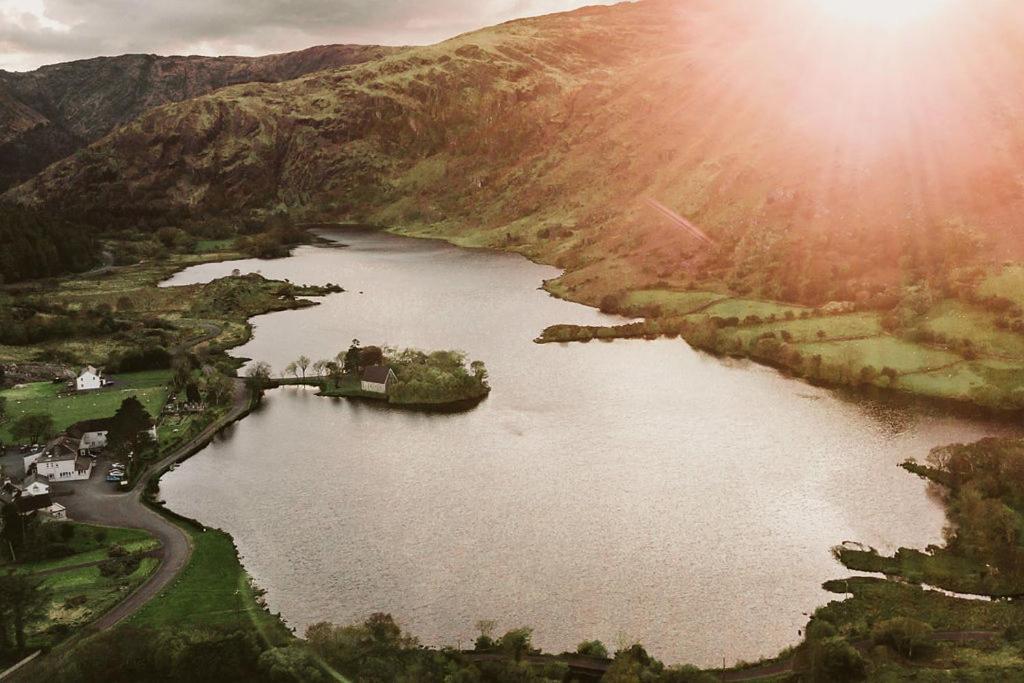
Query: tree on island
[292,369]
[129,429]
[371,355]
[335,372]
[352,357]
[33,426]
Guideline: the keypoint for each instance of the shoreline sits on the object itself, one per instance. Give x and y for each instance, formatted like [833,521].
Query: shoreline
[913,399]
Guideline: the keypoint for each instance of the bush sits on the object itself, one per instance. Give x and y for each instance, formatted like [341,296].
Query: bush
[908,637]
[592,648]
[836,660]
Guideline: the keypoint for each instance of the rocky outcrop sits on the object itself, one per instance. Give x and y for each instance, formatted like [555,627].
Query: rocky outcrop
[51,112]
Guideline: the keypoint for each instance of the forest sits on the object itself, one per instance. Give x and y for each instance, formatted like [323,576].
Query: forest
[38,244]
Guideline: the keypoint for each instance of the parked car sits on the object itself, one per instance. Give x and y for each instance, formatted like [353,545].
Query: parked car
[114,477]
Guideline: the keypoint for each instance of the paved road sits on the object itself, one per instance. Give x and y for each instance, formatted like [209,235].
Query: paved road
[96,502]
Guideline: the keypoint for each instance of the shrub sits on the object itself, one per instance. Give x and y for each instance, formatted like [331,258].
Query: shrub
[837,660]
[909,637]
[592,648]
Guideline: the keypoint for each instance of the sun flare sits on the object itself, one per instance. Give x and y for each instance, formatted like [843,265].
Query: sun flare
[883,14]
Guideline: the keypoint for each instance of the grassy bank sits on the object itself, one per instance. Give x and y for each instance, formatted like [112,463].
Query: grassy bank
[954,351]
[212,591]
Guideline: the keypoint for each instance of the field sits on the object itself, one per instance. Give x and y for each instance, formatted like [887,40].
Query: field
[80,594]
[670,302]
[1008,283]
[213,590]
[42,397]
[743,307]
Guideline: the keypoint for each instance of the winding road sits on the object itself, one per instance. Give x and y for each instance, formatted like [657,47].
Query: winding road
[96,503]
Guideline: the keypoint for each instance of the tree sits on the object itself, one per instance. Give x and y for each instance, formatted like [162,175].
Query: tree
[319,368]
[371,355]
[290,664]
[834,659]
[292,369]
[218,388]
[352,357]
[129,429]
[335,372]
[909,637]
[592,648]
[302,364]
[517,643]
[3,409]
[32,426]
[23,599]
[258,376]
[192,394]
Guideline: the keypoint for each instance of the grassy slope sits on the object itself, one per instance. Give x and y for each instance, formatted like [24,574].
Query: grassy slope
[213,590]
[42,397]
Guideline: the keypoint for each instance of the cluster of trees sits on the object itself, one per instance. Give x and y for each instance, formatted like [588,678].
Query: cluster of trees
[37,245]
[435,377]
[423,378]
[32,427]
[985,484]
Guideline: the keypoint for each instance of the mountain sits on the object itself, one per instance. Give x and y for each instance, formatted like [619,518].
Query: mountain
[825,159]
[49,113]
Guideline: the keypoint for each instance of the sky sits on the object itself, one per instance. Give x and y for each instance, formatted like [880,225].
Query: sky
[37,32]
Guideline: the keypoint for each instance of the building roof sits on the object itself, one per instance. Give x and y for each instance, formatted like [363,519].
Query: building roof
[83,464]
[60,449]
[89,370]
[378,374]
[35,478]
[80,429]
[26,504]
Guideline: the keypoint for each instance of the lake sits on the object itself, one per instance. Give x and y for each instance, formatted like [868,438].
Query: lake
[626,491]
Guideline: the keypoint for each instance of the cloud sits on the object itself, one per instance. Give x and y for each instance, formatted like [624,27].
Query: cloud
[36,32]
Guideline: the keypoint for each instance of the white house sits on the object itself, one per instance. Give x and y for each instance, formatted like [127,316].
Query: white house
[30,459]
[35,485]
[62,462]
[92,434]
[90,378]
[377,379]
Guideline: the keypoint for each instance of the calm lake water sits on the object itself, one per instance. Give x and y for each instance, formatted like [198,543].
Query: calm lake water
[626,491]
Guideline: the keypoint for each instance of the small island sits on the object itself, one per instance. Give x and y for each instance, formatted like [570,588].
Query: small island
[403,378]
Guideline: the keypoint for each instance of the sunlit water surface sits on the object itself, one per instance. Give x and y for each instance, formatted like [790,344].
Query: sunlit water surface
[626,491]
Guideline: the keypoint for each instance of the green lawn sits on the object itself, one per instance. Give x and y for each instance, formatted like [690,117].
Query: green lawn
[956,320]
[213,590]
[741,308]
[881,352]
[672,303]
[867,324]
[41,397]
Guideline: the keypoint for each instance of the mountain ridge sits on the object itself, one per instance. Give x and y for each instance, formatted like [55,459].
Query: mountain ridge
[549,136]
[50,112]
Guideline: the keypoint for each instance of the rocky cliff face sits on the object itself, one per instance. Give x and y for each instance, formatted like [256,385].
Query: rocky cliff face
[47,114]
[823,161]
